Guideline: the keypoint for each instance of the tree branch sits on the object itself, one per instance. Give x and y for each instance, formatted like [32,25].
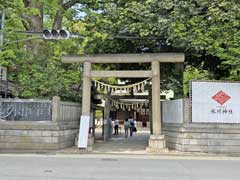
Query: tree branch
[25,24]
[57,24]
[26,3]
[69,4]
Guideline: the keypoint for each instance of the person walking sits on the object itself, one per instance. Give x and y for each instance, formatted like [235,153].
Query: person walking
[135,126]
[131,125]
[126,127]
[116,126]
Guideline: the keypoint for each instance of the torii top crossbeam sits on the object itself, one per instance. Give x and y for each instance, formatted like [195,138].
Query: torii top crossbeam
[126,58]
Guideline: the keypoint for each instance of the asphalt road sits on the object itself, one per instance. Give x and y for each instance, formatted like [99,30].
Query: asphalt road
[99,167]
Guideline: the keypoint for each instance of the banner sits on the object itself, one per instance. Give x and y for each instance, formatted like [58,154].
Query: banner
[83,132]
[216,102]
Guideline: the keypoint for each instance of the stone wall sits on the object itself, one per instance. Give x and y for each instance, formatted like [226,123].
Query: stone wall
[58,133]
[209,138]
[202,137]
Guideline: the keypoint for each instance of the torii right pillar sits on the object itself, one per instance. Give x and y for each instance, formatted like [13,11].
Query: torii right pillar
[156,141]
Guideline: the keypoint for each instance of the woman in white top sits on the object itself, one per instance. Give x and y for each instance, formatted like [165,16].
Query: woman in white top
[116,126]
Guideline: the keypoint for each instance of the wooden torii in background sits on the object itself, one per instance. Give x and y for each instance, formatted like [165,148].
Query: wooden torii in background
[156,140]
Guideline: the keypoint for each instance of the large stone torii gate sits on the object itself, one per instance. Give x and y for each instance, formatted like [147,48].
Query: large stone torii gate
[156,140]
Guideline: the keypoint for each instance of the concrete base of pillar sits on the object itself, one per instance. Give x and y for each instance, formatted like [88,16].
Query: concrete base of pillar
[157,144]
[90,142]
[76,140]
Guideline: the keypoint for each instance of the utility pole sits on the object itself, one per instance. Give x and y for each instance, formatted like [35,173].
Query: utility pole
[1,45]
[1,29]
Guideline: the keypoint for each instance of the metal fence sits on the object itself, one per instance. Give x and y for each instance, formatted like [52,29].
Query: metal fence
[69,112]
[173,111]
[25,110]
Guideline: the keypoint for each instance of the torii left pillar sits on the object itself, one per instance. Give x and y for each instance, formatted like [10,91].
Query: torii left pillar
[86,96]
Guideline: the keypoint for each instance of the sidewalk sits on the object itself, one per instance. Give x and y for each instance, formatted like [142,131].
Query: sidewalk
[120,147]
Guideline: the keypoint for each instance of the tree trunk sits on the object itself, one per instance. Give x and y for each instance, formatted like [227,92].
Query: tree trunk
[33,23]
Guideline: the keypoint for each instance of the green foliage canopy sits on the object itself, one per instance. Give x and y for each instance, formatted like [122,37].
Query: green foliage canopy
[207,32]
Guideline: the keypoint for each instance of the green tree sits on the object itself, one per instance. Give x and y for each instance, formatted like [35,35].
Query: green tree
[207,32]
[34,64]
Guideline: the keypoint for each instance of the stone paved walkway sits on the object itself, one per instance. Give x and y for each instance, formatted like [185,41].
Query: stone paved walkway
[119,145]
[135,144]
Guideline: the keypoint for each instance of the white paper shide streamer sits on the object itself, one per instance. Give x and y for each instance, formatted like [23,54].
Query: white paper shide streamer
[108,88]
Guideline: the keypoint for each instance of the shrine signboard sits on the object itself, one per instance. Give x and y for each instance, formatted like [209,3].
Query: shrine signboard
[215,102]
